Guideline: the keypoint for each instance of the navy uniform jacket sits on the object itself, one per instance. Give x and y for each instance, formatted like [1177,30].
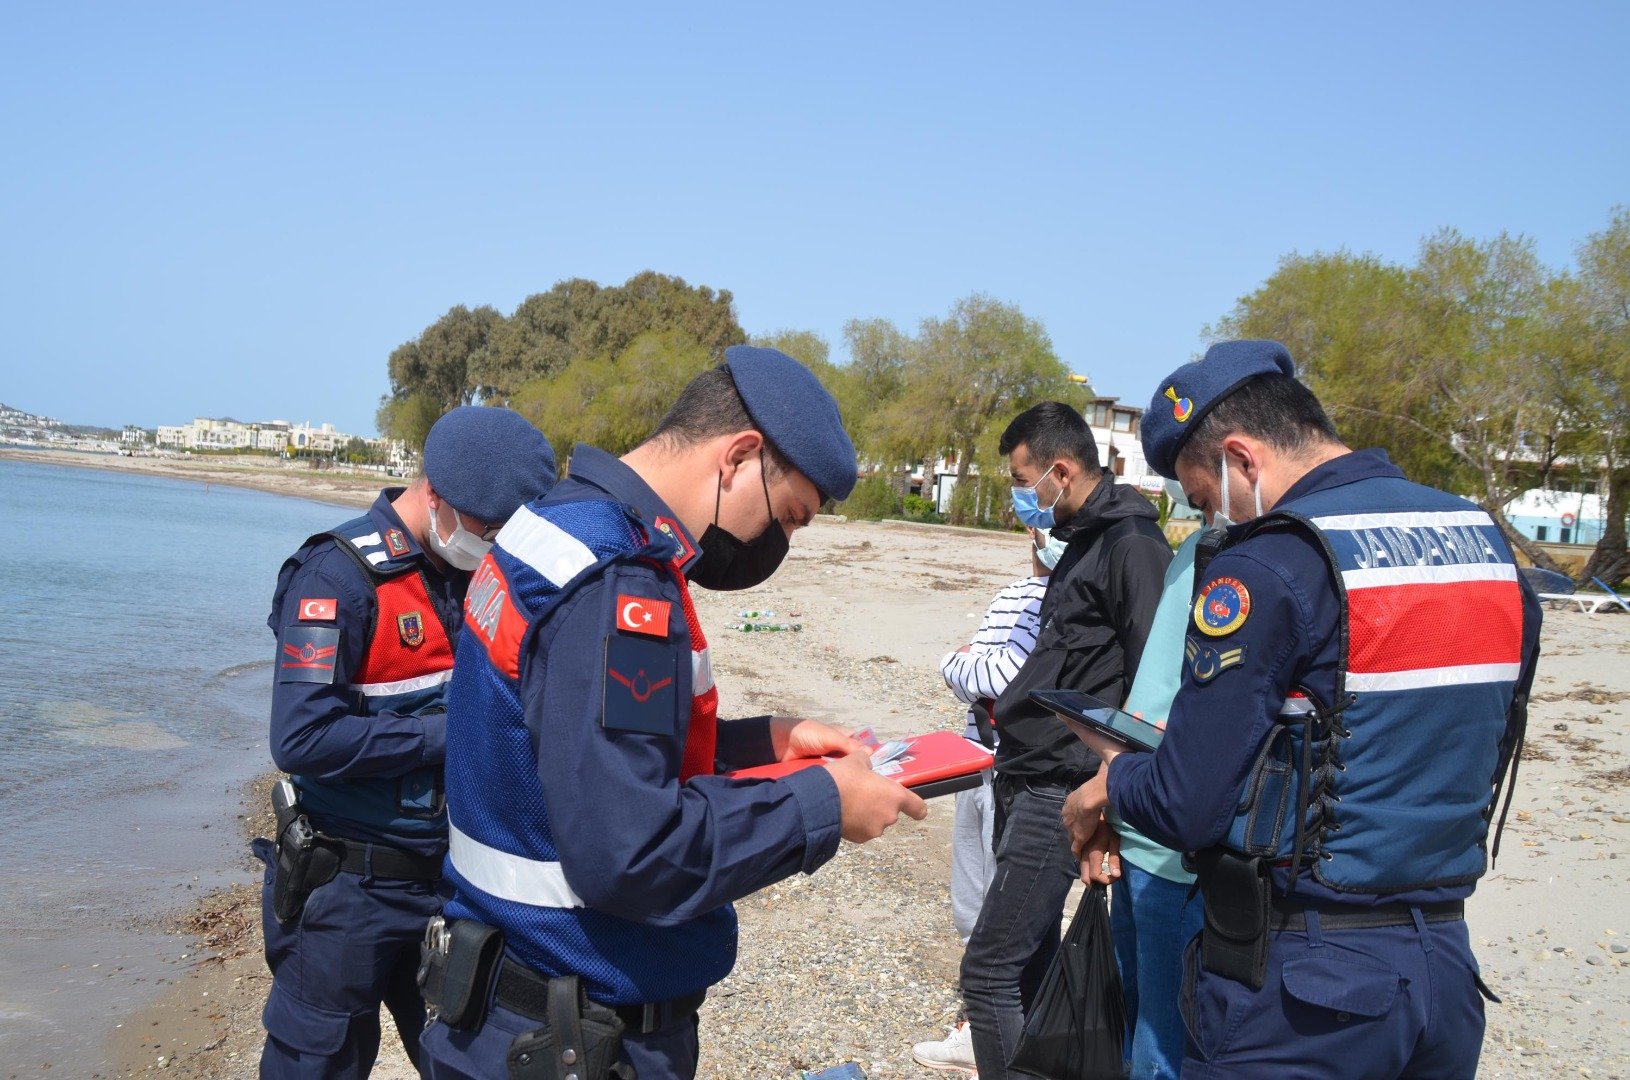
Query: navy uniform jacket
[1184,796]
[317,728]
[634,841]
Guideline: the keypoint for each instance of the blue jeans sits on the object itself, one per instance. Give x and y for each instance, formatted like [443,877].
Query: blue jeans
[1151,924]
[1017,931]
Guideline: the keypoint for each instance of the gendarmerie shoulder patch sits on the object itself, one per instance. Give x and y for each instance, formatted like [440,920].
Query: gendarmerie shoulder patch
[639,691]
[1206,662]
[1222,607]
[308,654]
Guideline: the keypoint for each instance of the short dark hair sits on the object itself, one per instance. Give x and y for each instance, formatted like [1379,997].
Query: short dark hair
[1275,408]
[710,406]
[1050,431]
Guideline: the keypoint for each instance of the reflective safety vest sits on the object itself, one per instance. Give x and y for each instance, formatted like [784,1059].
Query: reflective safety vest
[502,856]
[1390,786]
[405,669]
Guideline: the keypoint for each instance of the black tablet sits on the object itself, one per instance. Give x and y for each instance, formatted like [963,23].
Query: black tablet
[1102,717]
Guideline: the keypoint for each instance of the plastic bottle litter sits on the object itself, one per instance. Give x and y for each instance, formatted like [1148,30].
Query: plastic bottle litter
[762,628]
[755,614]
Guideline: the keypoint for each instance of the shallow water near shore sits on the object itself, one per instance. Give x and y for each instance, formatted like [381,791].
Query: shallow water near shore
[135,668]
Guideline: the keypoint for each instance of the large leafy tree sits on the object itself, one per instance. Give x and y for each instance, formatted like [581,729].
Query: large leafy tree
[430,374]
[579,320]
[613,401]
[1601,378]
[964,374]
[1444,362]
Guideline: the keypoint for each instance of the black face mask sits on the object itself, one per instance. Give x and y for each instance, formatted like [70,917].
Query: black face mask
[729,563]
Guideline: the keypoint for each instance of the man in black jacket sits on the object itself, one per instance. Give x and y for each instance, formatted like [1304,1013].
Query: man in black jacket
[1094,619]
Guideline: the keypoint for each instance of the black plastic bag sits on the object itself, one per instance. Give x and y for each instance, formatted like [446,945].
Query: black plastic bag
[1077,1025]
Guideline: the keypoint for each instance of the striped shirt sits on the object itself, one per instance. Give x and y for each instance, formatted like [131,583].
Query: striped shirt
[1005,637]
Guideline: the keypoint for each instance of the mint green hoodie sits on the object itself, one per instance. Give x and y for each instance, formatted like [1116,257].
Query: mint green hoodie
[1160,673]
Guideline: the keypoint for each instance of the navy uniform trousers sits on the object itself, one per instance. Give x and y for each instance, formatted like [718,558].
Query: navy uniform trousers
[1389,1002]
[667,1054]
[355,945]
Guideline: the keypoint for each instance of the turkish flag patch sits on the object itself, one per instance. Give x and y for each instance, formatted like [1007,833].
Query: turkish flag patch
[317,610]
[643,615]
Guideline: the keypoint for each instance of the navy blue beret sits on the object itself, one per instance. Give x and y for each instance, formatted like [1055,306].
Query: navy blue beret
[1185,396]
[488,462]
[797,414]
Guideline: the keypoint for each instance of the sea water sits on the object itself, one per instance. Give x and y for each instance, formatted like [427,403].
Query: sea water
[135,676]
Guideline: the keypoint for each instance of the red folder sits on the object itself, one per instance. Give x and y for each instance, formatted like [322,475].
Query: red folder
[936,764]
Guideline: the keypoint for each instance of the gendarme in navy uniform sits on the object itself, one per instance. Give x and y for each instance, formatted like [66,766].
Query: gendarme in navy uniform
[595,847]
[366,616]
[1358,659]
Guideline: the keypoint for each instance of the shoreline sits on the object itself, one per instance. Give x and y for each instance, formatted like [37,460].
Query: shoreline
[348,490]
[858,961]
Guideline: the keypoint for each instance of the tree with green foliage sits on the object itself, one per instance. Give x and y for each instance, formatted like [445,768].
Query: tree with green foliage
[1444,362]
[430,374]
[1600,375]
[973,370]
[879,357]
[613,402]
[579,319]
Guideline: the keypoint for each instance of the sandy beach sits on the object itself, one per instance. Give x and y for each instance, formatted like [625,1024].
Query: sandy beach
[296,479]
[858,961]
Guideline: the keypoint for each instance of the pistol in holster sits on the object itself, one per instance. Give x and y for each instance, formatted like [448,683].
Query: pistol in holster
[1237,896]
[581,1040]
[306,859]
[461,969]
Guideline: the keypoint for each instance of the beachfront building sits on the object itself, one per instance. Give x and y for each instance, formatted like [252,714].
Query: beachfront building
[1558,517]
[267,436]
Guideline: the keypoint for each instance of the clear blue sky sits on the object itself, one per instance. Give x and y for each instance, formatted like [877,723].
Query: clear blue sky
[229,209]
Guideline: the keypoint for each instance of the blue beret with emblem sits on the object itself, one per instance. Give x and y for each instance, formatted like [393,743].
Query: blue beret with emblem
[797,414]
[1187,394]
[488,462]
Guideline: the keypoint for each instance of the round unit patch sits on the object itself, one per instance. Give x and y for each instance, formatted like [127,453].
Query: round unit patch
[1222,607]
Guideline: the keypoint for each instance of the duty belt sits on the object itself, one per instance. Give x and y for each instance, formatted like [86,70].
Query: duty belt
[1288,915]
[383,861]
[522,990]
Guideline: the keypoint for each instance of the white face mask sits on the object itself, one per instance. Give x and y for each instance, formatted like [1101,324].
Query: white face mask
[1221,520]
[463,550]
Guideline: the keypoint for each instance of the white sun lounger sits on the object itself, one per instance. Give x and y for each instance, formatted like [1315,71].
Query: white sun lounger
[1555,588]
[1589,602]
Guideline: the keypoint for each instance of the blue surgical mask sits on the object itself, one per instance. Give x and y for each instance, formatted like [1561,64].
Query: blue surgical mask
[1025,504]
[1174,492]
[1049,553]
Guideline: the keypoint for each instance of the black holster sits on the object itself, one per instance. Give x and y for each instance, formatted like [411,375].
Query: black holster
[1237,897]
[581,1040]
[458,964]
[305,861]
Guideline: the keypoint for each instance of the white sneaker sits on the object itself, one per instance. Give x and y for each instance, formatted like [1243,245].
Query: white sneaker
[954,1053]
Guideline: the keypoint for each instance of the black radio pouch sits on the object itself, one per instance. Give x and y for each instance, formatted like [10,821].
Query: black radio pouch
[458,982]
[581,1040]
[1237,899]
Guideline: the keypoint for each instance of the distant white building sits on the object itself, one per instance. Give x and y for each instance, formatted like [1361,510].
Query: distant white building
[1116,430]
[1558,517]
